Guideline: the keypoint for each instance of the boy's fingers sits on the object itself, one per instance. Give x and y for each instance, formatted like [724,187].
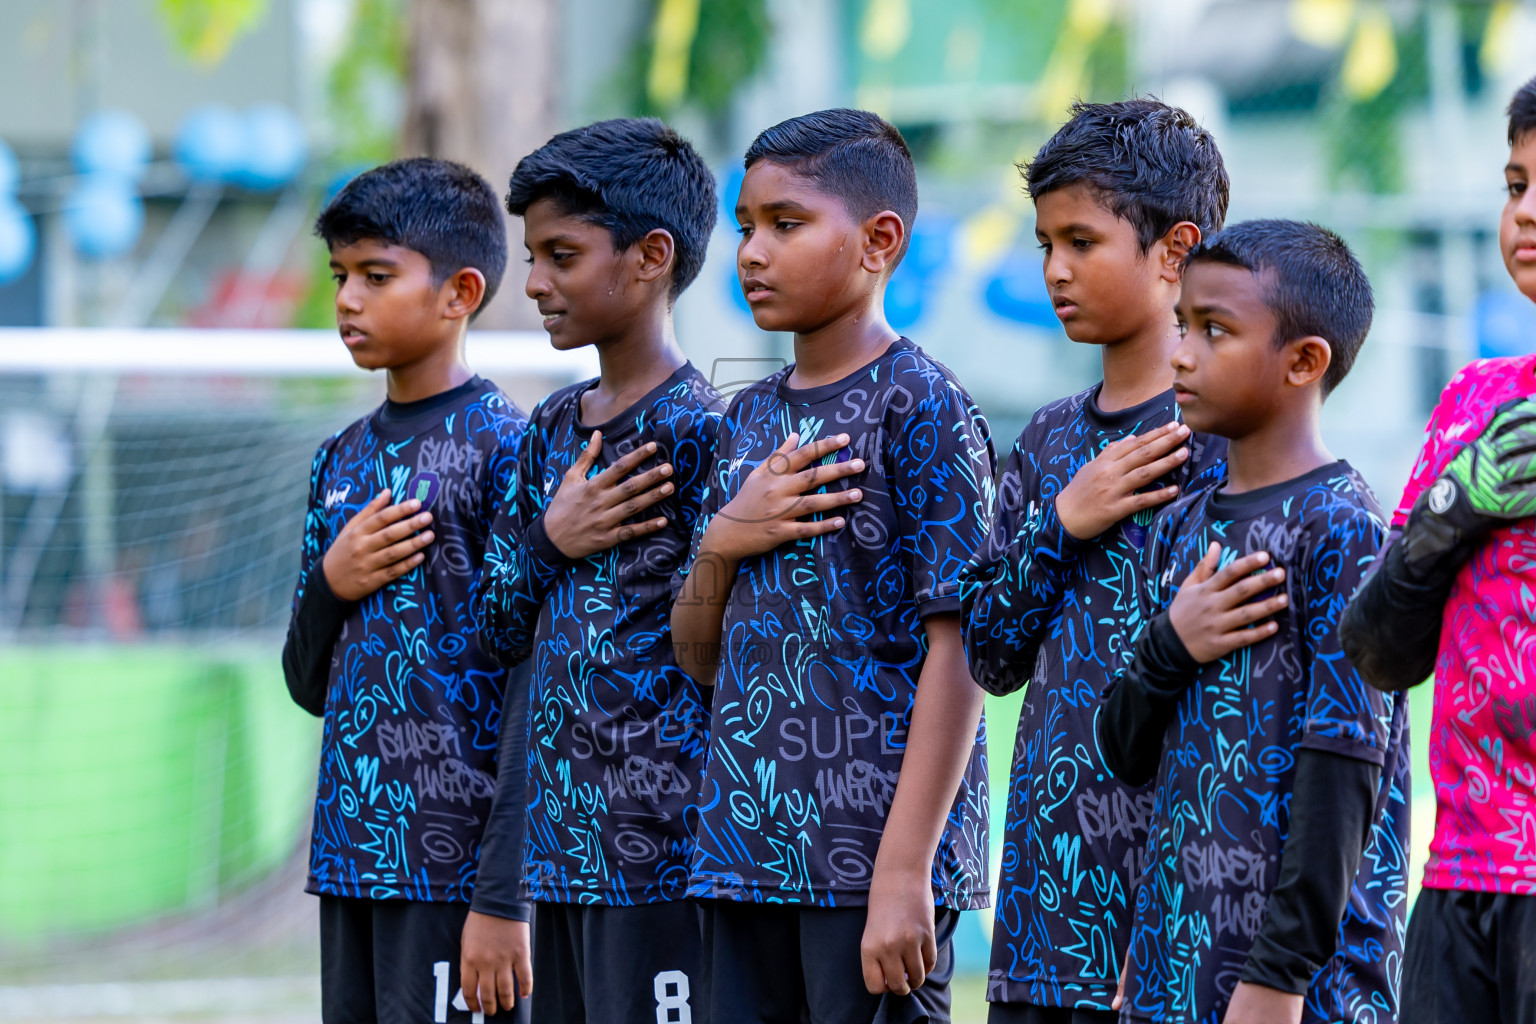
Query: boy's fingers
[506,988]
[404,549]
[807,454]
[401,530]
[821,502]
[800,531]
[916,971]
[379,518]
[1206,567]
[634,506]
[626,463]
[895,970]
[390,573]
[1239,593]
[1150,499]
[588,457]
[1237,639]
[1239,569]
[470,978]
[629,531]
[1156,444]
[1144,475]
[820,476]
[778,463]
[524,970]
[1255,611]
[639,482]
[874,976]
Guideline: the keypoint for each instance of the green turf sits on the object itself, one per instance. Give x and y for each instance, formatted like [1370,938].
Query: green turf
[137,781]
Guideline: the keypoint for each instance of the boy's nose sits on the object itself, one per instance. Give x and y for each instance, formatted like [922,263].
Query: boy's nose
[1056,269]
[347,299]
[537,286]
[750,254]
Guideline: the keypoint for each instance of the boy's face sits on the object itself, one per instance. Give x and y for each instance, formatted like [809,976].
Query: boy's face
[1517,228]
[800,260]
[1104,288]
[388,310]
[584,289]
[1229,377]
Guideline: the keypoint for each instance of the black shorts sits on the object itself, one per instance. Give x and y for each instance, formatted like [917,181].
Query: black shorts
[596,964]
[772,964]
[1028,1013]
[394,962]
[1471,959]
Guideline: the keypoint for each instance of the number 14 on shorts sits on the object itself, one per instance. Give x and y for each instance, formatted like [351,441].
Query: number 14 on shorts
[440,999]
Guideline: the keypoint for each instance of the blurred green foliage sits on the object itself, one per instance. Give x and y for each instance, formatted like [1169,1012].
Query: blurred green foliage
[204,30]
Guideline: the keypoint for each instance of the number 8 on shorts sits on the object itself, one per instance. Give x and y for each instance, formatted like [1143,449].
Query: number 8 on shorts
[672,998]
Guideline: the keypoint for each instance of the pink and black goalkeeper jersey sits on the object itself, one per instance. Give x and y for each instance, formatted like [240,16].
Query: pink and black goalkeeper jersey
[1482,751]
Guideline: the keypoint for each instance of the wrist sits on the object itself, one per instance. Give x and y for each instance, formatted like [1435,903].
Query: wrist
[549,548]
[720,543]
[336,583]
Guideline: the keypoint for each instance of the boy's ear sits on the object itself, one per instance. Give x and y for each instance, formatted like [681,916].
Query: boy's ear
[883,235]
[464,291]
[1173,248]
[1310,359]
[654,253]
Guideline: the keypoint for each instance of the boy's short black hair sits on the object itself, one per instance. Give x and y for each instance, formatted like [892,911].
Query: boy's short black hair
[1522,112]
[439,208]
[631,175]
[852,155]
[1313,284]
[1152,164]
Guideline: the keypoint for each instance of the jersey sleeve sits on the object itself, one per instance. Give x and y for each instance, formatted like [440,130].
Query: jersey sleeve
[941,488]
[1344,715]
[1012,588]
[496,489]
[709,496]
[521,564]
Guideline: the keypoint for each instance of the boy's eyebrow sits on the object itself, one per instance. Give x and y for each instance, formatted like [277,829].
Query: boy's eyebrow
[375,261]
[1210,308]
[777,206]
[552,240]
[1516,168]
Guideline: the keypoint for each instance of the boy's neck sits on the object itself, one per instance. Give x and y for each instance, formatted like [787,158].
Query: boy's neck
[1289,446]
[441,370]
[831,352]
[1137,369]
[631,365]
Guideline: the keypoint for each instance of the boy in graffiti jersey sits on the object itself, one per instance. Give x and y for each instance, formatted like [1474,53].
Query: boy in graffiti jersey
[382,641]
[1276,883]
[617,217]
[842,815]
[1452,598]
[1121,192]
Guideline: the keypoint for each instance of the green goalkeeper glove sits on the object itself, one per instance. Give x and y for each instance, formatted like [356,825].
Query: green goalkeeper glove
[1490,483]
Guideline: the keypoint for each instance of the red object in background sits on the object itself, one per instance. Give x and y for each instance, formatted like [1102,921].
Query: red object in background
[249,300]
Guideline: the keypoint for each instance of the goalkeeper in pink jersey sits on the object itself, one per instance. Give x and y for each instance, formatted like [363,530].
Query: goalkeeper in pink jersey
[1456,594]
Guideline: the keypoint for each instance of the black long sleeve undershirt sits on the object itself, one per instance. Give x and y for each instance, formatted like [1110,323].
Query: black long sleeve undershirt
[1332,803]
[1142,700]
[499,879]
[312,633]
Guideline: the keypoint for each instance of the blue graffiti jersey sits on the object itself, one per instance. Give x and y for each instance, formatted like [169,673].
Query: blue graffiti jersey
[1223,787]
[1052,614]
[412,709]
[823,640]
[618,731]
